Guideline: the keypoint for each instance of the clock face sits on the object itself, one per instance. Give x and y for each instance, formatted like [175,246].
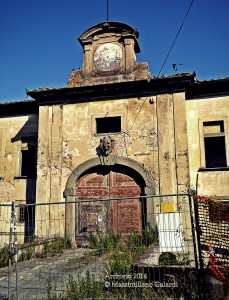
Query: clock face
[107,57]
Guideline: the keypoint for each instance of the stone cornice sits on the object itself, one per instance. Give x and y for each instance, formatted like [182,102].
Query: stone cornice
[116,90]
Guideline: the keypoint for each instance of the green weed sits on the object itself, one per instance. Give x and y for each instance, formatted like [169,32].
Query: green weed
[56,246]
[4,256]
[84,287]
[103,243]
[168,258]
[120,254]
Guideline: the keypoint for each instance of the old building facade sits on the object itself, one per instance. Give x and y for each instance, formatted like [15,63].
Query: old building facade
[114,131]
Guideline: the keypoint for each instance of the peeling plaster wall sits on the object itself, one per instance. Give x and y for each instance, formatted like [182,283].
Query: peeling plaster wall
[49,171]
[172,144]
[67,137]
[12,186]
[212,182]
[173,165]
[12,129]
[153,135]
[134,142]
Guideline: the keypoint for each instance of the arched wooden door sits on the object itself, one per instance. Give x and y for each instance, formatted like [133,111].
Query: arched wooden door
[116,216]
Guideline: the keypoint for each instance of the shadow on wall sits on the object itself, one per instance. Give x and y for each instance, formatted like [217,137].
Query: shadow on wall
[29,129]
[27,138]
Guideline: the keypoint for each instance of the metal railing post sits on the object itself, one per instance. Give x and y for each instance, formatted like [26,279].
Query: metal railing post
[193,231]
[10,250]
[15,248]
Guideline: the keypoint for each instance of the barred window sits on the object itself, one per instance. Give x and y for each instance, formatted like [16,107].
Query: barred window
[22,214]
[26,213]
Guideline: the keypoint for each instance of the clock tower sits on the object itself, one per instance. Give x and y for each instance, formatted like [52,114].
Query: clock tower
[109,55]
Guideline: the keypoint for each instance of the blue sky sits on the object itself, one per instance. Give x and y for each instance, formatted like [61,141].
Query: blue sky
[39,47]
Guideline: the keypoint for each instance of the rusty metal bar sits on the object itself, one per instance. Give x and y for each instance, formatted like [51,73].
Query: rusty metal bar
[103,200]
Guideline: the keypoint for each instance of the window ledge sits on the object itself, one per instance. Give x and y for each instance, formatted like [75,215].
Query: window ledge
[213,169]
[107,133]
[24,177]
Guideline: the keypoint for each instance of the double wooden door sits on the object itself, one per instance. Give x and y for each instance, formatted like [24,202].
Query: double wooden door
[116,216]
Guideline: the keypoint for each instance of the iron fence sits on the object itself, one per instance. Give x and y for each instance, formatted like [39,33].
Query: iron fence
[119,249]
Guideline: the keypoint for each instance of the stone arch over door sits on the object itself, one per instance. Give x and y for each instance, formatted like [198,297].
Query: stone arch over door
[141,174]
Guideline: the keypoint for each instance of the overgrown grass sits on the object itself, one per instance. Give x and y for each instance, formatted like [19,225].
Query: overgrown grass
[103,243]
[47,248]
[120,253]
[35,248]
[57,246]
[169,258]
[4,256]
[84,287]
[110,241]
